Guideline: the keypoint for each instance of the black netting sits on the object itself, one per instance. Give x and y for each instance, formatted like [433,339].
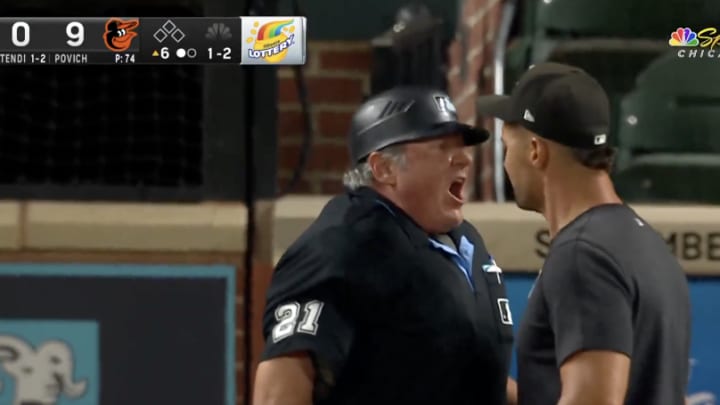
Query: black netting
[113,126]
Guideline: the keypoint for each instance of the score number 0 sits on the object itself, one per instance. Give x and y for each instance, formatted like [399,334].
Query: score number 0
[74,30]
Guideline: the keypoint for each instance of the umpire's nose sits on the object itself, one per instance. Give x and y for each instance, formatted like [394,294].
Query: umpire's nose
[462,157]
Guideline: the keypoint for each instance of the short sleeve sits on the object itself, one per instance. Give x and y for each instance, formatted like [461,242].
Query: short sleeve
[306,312]
[589,300]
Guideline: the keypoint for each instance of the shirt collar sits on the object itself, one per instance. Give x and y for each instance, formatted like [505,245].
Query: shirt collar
[373,199]
[417,235]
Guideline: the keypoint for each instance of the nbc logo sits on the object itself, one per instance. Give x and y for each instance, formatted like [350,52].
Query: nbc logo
[273,40]
[705,39]
[683,37]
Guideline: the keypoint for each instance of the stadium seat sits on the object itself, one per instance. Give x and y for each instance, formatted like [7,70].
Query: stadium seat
[615,63]
[517,57]
[673,109]
[621,18]
[614,40]
[668,178]
[577,32]
[574,18]
[681,75]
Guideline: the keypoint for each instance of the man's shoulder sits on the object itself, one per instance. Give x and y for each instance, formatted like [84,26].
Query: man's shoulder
[363,237]
[585,263]
[354,226]
[614,231]
[569,248]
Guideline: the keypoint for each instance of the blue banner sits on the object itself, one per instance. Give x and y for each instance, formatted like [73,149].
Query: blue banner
[117,334]
[704,383]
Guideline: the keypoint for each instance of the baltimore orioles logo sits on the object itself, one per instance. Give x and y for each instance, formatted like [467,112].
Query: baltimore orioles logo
[119,34]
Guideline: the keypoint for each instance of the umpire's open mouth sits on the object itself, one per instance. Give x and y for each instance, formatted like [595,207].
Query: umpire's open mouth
[456,189]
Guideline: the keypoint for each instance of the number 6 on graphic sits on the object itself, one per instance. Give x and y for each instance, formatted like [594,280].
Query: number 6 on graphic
[287,317]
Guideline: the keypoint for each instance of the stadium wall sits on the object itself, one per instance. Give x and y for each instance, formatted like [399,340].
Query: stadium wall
[692,232]
[338,77]
[71,236]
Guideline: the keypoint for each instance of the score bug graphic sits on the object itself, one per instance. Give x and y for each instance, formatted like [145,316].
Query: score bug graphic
[119,34]
[273,41]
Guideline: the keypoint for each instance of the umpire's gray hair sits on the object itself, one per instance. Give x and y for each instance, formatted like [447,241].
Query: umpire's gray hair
[362,175]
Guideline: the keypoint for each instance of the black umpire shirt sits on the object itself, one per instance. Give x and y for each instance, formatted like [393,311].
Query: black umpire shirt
[388,315]
[610,282]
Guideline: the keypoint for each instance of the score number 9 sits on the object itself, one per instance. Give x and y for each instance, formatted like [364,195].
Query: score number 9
[75,32]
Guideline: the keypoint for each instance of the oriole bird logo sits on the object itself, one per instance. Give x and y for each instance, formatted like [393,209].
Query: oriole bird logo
[119,34]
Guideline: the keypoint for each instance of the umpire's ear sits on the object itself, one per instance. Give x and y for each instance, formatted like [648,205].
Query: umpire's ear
[382,168]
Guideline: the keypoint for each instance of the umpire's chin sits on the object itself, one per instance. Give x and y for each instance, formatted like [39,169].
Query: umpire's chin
[437,211]
[452,209]
[434,209]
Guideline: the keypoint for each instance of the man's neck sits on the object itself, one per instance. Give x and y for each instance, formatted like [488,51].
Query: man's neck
[571,196]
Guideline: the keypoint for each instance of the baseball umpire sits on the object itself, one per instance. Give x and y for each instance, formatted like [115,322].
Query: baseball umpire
[390,297]
[608,319]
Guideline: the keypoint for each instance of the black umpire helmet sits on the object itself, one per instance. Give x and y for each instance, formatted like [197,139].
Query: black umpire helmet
[405,114]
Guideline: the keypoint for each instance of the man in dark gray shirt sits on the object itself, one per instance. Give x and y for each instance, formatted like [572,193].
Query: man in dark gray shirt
[608,319]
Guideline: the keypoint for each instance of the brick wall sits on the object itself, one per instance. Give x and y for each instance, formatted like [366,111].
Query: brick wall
[470,74]
[338,75]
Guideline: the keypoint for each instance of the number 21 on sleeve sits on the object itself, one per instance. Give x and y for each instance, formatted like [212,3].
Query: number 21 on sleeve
[287,317]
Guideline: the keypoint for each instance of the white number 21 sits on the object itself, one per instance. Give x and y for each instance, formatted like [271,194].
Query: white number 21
[287,317]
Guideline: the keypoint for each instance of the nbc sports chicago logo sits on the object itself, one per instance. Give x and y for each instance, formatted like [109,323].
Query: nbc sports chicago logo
[273,40]
[693,44]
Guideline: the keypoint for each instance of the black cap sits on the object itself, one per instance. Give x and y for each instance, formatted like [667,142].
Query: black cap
[558,102]
[406,114]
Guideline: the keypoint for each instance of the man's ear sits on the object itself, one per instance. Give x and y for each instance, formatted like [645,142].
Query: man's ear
[539,152]
[382,168]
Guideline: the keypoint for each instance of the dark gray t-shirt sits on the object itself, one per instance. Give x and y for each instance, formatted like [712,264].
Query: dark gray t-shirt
[610,282]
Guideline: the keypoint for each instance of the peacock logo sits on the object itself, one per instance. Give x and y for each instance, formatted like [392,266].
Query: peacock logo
[683,37]
[271,41]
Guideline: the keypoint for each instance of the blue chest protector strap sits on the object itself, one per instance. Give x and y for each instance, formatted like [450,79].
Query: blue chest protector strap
[462,258]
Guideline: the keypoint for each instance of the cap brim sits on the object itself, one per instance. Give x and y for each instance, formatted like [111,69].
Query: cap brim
[495,106]
[472,135]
